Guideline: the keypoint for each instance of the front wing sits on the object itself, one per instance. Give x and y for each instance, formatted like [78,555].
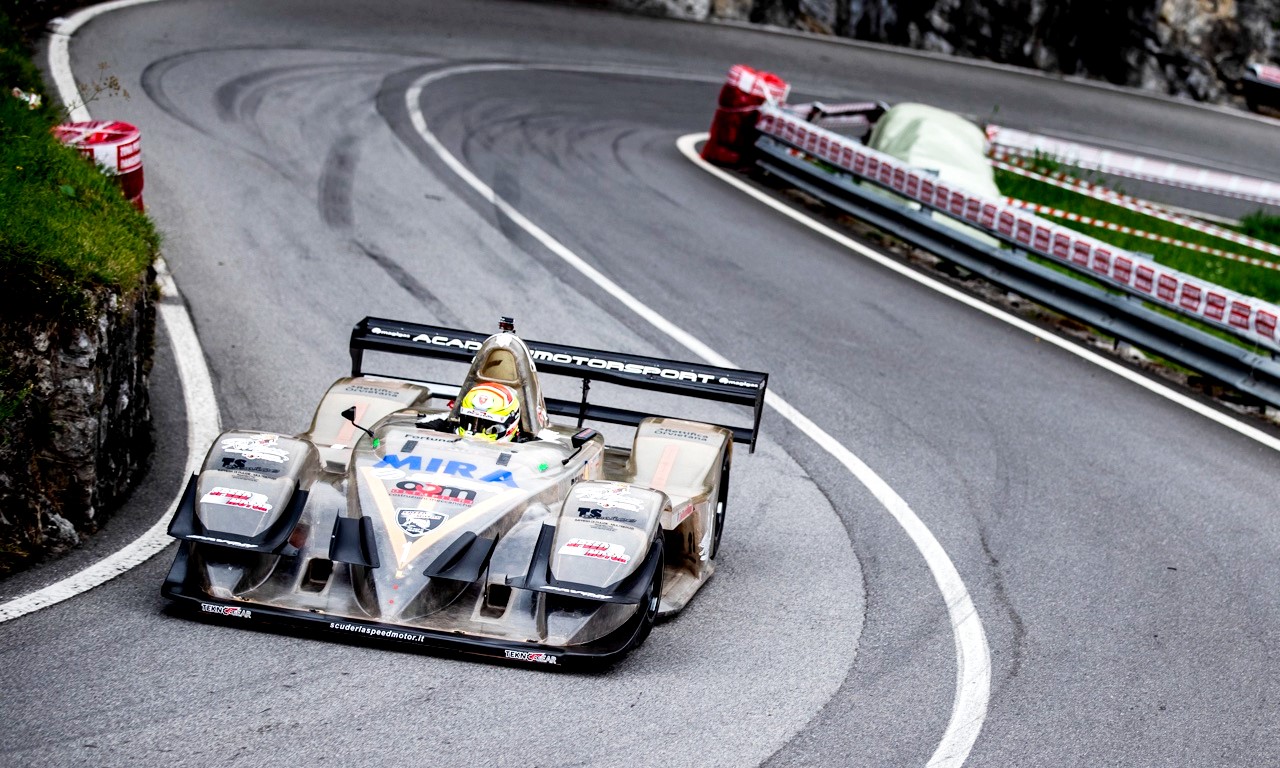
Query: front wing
[602,652]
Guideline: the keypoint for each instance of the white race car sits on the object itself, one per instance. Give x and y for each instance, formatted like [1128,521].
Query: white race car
[390,518]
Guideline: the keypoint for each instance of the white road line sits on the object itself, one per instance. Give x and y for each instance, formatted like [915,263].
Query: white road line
[197,386]
[687,146]
[973,658]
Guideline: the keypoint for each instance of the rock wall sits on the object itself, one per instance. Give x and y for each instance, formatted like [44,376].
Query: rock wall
[72,448]
[1193,48]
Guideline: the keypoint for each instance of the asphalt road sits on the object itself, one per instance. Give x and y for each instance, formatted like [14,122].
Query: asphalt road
[1120,550]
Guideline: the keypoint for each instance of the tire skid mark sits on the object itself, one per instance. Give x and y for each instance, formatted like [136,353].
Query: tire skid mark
[972,654]
[334,193]
[406,280]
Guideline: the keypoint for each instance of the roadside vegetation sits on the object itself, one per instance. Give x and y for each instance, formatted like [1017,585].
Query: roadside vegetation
[65,228]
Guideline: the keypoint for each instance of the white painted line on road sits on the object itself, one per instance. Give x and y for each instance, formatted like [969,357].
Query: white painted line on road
[202,429]
[687,146]
[197,386]
[973,658]
[64,80]
[973,655]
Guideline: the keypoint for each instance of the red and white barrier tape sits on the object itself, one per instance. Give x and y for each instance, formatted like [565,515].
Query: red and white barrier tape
[1015,142]
[1058,213]
[1139,206]
[1251,317]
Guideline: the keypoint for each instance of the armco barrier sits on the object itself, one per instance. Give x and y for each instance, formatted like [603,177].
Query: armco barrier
[1134,273]
[834,168]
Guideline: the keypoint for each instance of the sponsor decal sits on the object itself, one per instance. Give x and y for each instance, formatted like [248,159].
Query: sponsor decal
[634,368]
[388,473]
[450,467]
[227,610]
[262,447]
[611,497]
[591,513]
[416,522]
[682,514]
[681,434]
[362,389]
[417,490]
[534,656]
[440,340]
[579,592]
[242,465]
[224,542]
[596,550]
[376,631]
[436,438]
[394,334]
[234,497]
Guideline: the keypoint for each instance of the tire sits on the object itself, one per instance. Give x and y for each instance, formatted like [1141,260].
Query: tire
[722,501]
[652,602]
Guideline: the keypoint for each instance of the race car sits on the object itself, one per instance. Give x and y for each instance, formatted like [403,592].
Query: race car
[477,525]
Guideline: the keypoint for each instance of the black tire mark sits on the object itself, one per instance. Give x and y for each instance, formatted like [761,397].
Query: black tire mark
[411,284]
[334,191]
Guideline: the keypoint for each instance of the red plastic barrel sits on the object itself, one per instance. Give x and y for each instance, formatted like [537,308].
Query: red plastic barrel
[733,126]
[115,146]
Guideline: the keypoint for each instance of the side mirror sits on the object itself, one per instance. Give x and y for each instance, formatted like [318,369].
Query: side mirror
[350,415]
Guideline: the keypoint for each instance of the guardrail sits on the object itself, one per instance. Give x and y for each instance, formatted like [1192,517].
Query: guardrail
[836,170]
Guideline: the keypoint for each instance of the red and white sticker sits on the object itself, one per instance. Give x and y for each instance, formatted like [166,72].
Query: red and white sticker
[596,550]
[536,657]
[234,497]
[227,610]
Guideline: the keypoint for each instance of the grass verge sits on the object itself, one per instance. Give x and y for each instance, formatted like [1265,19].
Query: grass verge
[64,226]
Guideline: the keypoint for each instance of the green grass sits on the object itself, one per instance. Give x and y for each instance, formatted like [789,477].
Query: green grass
[1262,226]
[1245,278]
[64,226]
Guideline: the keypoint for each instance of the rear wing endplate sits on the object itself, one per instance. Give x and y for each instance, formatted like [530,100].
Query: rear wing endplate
[708,382]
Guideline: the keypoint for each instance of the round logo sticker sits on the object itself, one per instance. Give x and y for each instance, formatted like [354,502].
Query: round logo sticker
[416,522]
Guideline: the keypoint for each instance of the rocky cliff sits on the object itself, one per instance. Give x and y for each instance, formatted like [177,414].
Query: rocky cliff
[1193,48]
[80,435]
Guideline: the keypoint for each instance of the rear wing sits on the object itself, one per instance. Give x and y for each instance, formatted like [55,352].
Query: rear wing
[726,385]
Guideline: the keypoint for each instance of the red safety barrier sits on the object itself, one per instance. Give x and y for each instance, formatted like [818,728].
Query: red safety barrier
[733,126]
[116,147]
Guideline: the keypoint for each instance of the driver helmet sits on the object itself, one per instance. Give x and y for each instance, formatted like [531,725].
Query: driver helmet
[490,411]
